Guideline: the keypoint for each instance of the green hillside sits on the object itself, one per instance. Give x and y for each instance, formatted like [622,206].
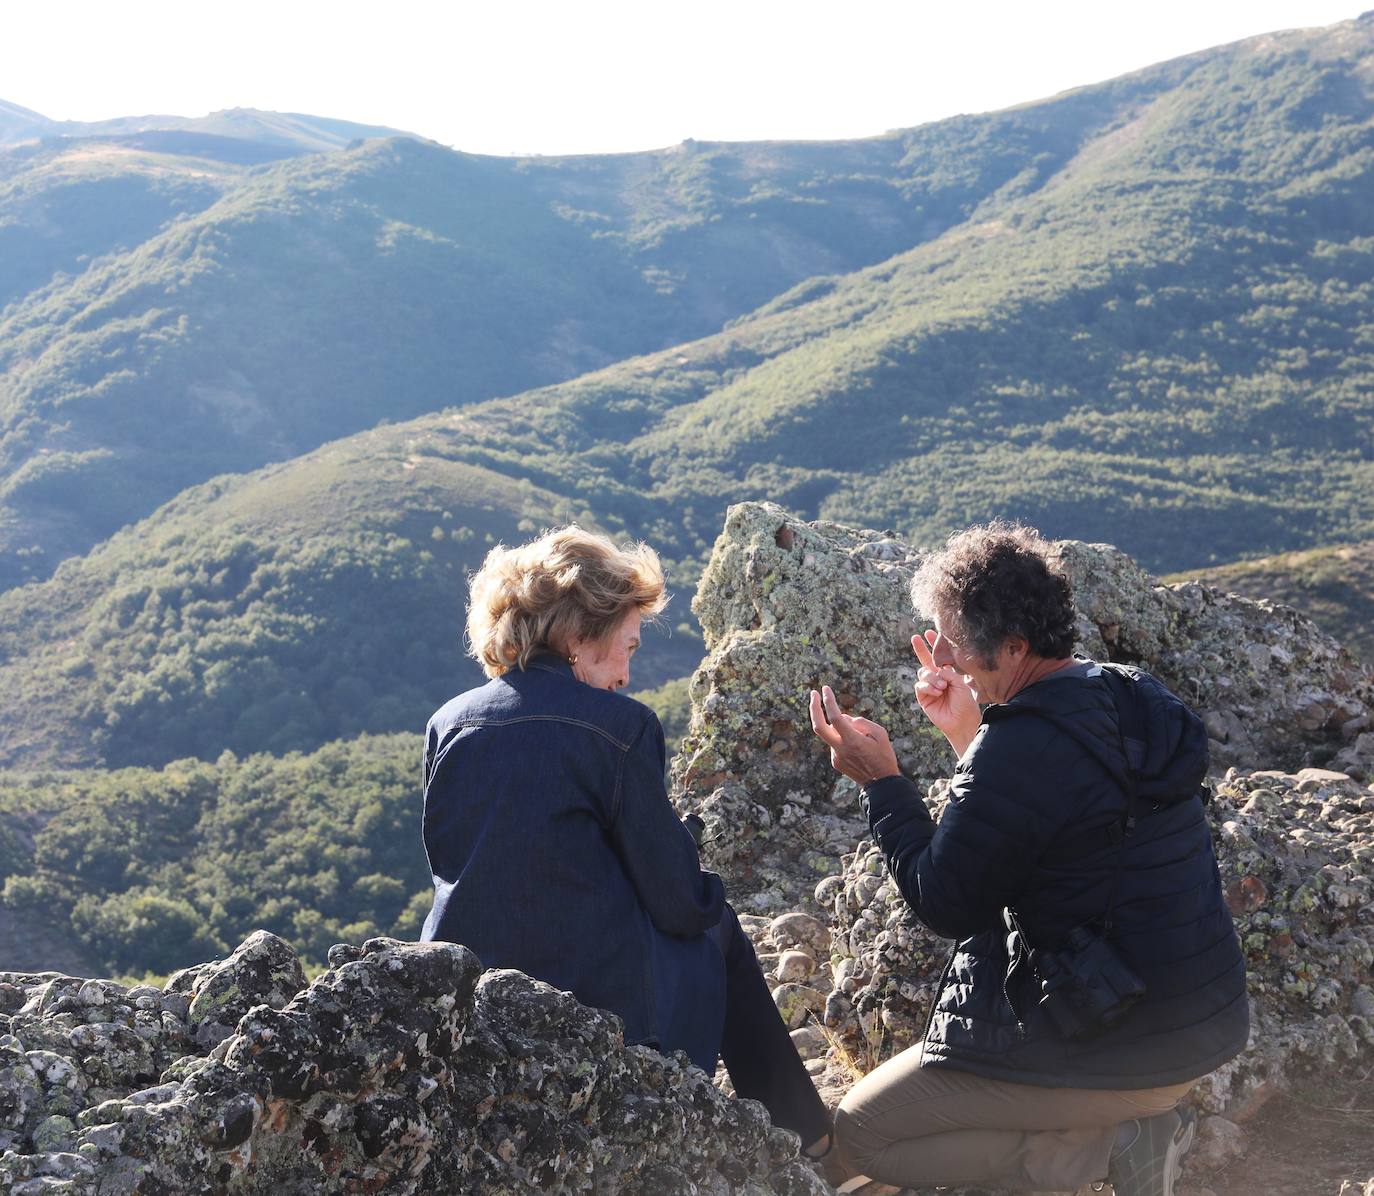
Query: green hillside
[308,602]
[74,192]
[65,203]
[321,294]
[149,870]
[1167,345]
[1163,337]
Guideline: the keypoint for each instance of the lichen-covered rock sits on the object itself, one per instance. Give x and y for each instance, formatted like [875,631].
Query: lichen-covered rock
[402,1069]
[263,970]
[787,605]
[1274,690]
[72,1044]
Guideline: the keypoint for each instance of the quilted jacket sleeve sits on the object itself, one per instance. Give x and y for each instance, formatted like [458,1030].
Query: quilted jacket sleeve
[959,873]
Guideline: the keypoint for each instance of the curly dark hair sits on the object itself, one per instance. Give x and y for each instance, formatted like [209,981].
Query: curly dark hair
[994,581]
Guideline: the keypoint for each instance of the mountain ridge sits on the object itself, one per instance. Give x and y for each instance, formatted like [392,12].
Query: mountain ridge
[690,256]
[300,131]
[1160,335]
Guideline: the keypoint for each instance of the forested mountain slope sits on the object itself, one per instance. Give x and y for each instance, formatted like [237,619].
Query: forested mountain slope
[138,870]
[1166,342]
[1168,345]
[65,203]
[304,603]
[318,295]
[72,192]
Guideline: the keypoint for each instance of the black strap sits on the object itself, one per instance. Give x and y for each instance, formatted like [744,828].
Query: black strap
[1126,827]
[1126,698]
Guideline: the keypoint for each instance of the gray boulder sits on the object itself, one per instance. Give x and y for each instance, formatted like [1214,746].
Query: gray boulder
[402,1069]
[787,606]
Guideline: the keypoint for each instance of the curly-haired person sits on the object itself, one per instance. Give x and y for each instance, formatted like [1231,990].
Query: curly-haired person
[552,842]
[1096,973]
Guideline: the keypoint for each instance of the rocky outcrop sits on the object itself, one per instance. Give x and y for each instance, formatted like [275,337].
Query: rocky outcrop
[405,1069]
[787,605]
[402,1069]
[795,954]
[1274,690]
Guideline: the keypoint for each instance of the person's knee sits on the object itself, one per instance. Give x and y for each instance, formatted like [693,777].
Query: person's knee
[733,942]
[855,1140]
[728,926]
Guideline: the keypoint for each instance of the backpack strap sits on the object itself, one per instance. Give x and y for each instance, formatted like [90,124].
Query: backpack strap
[1130,727]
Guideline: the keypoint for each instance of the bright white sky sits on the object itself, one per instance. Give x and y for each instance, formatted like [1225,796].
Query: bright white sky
[596,76]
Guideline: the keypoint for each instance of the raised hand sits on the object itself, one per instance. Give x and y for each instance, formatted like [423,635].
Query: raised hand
[859,748]
[944,695]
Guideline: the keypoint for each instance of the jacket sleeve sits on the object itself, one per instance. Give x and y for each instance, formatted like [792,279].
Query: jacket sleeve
[657,850]
[959,873]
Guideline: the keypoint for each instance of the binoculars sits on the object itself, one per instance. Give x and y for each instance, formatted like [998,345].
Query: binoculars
[1085,987]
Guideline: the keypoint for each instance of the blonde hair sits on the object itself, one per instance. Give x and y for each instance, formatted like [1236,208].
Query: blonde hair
[568,584]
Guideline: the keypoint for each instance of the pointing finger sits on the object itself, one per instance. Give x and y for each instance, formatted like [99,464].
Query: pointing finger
[824,731]
[923,653]
[840,722]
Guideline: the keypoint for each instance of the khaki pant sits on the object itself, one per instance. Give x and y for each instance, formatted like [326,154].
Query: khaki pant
[918,1127]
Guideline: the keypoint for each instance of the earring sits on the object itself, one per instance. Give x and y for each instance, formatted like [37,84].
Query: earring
[573,658]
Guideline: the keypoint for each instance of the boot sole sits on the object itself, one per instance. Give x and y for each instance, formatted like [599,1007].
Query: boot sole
[1179,1146]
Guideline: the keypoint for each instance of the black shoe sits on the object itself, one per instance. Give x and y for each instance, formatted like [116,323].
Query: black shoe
[1150,1164]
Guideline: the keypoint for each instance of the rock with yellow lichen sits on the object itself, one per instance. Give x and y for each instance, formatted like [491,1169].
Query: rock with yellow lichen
[788,605]
[403,1068]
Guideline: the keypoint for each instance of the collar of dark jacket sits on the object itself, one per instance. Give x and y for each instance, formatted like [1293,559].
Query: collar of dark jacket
[551,662]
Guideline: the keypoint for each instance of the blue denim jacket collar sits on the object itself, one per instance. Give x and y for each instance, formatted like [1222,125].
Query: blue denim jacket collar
[552,662]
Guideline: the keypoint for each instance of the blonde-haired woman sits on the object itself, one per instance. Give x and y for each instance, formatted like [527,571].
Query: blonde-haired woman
[550,836]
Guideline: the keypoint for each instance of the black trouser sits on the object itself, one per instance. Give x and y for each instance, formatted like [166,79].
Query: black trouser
[756,1047]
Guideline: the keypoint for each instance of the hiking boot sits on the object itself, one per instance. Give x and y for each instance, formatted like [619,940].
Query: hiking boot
[1148,1164]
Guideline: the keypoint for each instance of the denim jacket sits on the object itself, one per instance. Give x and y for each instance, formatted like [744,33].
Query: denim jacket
[555,850]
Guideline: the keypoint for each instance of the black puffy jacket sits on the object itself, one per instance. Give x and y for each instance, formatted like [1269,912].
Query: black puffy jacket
[1033,825]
